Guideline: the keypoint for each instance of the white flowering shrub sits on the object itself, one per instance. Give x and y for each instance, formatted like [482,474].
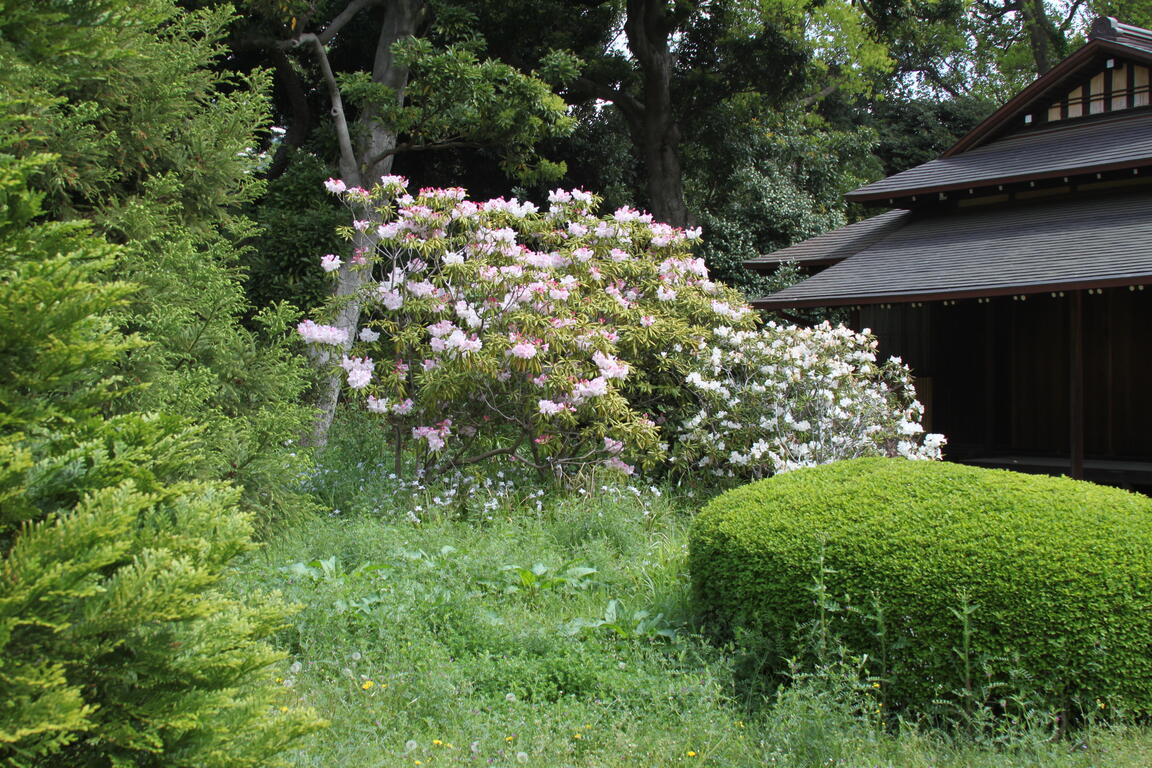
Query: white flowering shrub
[495,330]
[785,397]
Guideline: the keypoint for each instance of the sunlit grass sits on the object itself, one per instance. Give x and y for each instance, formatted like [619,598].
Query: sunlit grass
[555,629]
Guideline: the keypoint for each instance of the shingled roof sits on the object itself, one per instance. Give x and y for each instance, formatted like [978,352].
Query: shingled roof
[1060,125]
[836,245]
[1083,127]
[1067,149]
[1035,248]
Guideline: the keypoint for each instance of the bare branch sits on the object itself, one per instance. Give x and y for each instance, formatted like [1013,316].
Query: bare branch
[820,95]
[345,16]
[408,147]
[349,170]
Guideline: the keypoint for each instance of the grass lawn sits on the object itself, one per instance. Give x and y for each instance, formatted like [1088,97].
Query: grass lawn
[556,630]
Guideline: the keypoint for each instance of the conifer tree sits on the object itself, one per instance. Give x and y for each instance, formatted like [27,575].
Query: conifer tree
[153,145]
[117,645]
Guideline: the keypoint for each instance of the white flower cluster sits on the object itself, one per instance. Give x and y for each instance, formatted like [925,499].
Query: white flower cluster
[786,397]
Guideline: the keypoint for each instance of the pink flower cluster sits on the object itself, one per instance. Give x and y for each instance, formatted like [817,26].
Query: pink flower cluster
[313,333]
[504,317]
[525,349]
[402,408]
[436,436]
[610,367]
[586,389]
[359,371]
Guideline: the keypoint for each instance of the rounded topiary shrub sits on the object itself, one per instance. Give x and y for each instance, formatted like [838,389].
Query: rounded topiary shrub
[962,585]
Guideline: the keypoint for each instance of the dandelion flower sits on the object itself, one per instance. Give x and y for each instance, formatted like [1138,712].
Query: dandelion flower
[367,684]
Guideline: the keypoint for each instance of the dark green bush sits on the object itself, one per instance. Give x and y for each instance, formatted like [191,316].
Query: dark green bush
[962,585]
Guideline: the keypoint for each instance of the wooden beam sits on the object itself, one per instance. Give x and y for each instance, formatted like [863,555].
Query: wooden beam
[1076,384]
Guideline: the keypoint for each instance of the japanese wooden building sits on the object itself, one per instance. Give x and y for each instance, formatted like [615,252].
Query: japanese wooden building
[1014,273]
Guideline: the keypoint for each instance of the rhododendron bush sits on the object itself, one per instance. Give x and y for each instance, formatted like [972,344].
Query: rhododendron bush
[787,397]
[555,338]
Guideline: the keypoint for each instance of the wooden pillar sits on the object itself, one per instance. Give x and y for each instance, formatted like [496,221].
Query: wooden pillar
[1076,384]
[991,409]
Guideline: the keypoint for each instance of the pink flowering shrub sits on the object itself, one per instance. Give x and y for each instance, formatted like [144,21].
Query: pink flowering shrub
[557,338]
[784,397]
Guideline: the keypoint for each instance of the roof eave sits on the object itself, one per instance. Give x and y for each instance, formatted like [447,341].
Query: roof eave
[894,196]
[768,303]
[767,264]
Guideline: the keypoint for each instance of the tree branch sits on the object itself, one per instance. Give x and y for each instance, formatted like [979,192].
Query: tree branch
[349,169]
[1073,9]
[938,80]
[511,450]
[409,147]
[342,18]
[630,107]
[820,95]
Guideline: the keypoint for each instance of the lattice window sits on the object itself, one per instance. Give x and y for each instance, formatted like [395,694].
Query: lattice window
[1121,85]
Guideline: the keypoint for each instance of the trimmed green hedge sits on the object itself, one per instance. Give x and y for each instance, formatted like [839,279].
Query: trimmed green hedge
[1056,575]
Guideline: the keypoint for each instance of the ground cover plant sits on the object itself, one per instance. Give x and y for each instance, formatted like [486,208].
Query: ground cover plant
[556,628]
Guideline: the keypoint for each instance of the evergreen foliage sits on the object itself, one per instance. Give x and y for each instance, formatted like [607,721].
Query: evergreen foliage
[972,587]
[298,222]
[116,646]
[154,146]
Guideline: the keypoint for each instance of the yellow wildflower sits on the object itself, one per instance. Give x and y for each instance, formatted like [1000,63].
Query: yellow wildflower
[691,753]
[367,684]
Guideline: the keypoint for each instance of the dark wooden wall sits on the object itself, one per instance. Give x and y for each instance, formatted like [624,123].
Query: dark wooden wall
[998,372]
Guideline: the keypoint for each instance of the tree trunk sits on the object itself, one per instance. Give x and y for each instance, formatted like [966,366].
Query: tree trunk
[1036,26]
[348,284]
[365,156]
[648,27]
[377,139]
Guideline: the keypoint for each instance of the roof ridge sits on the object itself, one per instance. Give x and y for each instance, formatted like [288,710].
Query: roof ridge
[1108,28]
